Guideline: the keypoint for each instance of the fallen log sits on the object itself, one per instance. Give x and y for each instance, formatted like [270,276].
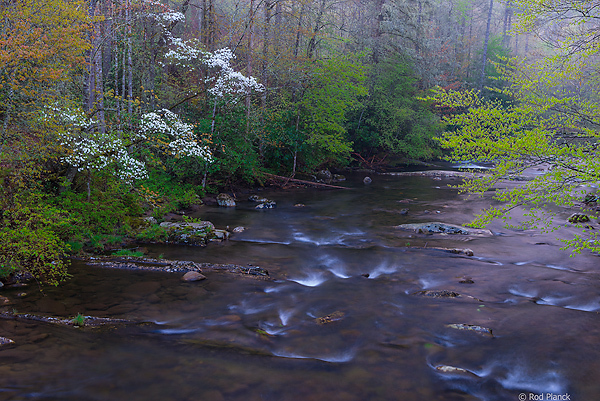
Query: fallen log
[303,182]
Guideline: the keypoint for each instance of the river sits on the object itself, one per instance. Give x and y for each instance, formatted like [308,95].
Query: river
[344,317]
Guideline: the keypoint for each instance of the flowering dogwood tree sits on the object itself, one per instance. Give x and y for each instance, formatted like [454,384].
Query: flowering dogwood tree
[89,150]
[86,149]
[181,140]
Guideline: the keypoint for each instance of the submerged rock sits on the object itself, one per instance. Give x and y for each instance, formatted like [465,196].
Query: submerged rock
[338,178]
[453,370]
[332,317]
[437,227]
[438,293]
[367,180]
[238,229]
[460,251]
[225,200]
[471,327]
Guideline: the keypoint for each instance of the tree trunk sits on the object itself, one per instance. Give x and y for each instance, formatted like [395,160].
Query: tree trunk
[249,64]
[485,46]
[298,30]
[312,43]
[129,61]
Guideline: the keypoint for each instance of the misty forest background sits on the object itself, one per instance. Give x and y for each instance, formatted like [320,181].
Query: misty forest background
[112,109]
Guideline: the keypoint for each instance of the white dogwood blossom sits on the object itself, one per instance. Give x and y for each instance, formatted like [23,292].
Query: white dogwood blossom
[97,151]
[87,149]
[162,14]
[183,141]
[223,80]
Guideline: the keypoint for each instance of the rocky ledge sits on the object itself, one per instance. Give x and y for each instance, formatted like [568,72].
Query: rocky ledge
[176,266]
[79,321]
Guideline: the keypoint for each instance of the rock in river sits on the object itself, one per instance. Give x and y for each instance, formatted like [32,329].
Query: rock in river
[225,200]
[578,218]
[193,276]
[189,233]
[267,205]
[324,176]
[436,227]
[5,341]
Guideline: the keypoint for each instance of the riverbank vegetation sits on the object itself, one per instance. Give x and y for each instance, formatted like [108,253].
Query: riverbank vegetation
[115,109]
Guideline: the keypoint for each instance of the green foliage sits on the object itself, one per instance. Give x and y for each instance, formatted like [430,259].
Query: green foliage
[550,128]
[154,233]
[391,118]
[128,252]
[164,192]
[335,87]
[29,242]
[234,151]
[494,81]
[78,320]
[105,214]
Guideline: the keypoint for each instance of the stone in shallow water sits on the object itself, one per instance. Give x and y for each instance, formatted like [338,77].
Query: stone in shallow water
[332,317]
[471,327]
[239,229]
[5,341]
[436,227]
[193,276]
[578,218]
[257,199]
[267,205]
[225,200]
[438,293]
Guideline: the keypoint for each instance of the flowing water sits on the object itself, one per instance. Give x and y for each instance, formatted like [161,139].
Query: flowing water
[342,319]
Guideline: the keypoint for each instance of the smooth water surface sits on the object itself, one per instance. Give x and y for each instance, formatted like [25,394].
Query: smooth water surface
[342,319]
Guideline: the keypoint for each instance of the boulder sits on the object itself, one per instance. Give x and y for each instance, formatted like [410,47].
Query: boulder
[239,229]
[225,200]
[367,180]
[338,178]
[189,233]
[324,176]
[193,276]
[578,218]
[436,227]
